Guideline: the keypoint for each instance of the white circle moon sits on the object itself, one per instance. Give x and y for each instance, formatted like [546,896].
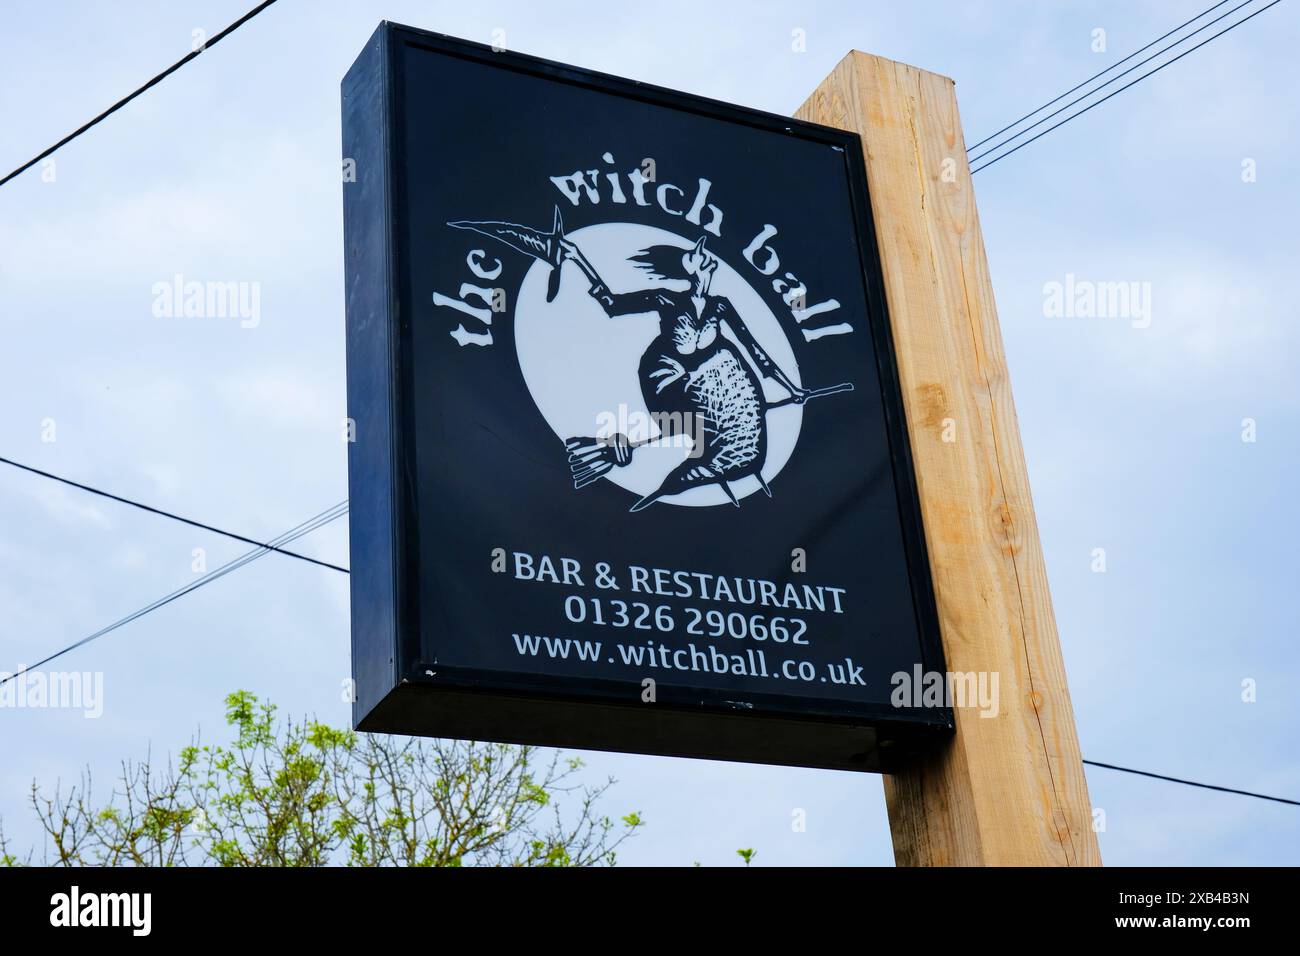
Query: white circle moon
[580,365]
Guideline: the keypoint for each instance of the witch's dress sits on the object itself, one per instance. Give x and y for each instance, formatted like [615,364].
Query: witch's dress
[695,381]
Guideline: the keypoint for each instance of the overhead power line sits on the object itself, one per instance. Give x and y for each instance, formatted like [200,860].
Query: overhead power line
[293,534]
[167,514]
[1118,76]
[329,515]
[1192,783]
[1095,76]
[332,514]
[130,96]
[1126,86]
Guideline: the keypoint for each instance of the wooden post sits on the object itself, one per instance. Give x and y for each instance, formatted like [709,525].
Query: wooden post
[1010,789]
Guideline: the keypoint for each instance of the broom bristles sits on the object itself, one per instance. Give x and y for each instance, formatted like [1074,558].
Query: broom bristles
[592,458]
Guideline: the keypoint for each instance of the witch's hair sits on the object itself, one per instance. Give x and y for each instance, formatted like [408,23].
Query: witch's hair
[661,262]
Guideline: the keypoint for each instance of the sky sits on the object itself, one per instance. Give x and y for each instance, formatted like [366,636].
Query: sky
[229,171]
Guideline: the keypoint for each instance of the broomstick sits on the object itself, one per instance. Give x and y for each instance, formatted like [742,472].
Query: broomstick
[591,458]
[815,393]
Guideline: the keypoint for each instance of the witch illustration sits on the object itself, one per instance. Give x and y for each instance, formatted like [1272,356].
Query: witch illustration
[695,380]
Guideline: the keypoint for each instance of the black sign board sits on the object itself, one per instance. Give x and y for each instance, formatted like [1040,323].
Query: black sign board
[630,469]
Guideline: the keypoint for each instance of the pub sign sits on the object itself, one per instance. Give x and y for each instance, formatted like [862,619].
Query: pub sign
[629,468]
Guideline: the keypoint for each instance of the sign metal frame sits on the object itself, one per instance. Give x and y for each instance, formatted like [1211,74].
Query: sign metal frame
[397,692]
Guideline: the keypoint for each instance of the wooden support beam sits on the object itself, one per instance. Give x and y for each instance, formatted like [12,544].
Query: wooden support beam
[1010,790]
